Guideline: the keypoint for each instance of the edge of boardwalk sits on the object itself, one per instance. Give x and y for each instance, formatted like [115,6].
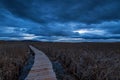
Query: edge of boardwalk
[42,68]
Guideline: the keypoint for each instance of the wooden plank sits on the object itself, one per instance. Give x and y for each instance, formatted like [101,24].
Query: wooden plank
[42,67]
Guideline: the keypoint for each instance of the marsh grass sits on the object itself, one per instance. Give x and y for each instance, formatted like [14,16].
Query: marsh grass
[86,61]
[12,59]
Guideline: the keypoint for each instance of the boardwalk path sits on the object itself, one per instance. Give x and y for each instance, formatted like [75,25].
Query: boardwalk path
[42,67]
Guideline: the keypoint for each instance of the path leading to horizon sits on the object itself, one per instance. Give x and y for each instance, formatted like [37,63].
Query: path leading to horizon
[42,68]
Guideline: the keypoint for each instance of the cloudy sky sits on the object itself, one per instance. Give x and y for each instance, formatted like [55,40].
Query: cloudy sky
[60,20]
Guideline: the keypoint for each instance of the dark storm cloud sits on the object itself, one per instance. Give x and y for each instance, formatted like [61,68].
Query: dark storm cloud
[60,19]
[88,11]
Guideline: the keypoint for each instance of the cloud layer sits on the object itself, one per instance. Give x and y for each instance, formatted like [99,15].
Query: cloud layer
[56,20]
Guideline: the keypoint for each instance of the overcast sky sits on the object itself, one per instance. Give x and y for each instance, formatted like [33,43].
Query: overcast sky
[60,20]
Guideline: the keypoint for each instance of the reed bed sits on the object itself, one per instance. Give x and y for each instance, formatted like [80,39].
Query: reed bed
[86,61]
[12,58]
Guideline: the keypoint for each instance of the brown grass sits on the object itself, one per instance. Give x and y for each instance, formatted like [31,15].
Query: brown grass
[12,58]
[86,61]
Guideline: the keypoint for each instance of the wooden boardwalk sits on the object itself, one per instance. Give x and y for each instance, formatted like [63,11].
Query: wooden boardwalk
[42,67]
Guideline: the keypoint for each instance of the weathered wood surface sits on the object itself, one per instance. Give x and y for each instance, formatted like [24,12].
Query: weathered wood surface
[42,67]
